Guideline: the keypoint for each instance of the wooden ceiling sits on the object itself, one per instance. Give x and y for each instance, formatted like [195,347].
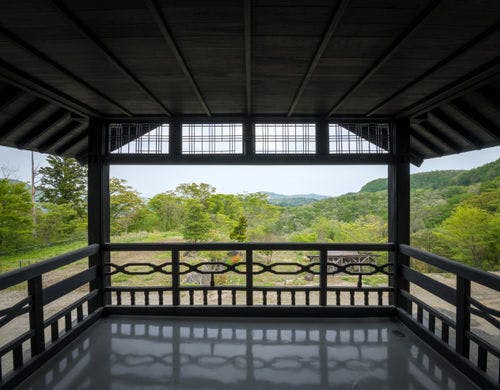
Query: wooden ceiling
[437,62]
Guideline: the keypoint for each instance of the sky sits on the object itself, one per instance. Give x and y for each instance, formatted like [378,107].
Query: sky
[289,180]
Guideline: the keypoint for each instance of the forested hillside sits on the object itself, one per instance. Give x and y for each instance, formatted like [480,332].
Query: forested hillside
[453,213]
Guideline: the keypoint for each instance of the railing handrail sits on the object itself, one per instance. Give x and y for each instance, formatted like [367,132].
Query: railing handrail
[17,276]
[202,246]
[473,274]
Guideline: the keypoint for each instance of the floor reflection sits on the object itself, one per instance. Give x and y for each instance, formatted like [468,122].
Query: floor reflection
[154,353]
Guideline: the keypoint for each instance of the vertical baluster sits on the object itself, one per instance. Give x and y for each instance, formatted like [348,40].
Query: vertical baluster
[132,298]
[432,322]
[307,297]
[160,297]
[118,298]
[293,297]
[205,297]
[445,332]
[323,276]
[366,297]
[482,358]
[264,297]
[233,297]
[79,313]
[17,356]
[54,331]
[219,297]
[67,322]
[278,297]
[463,316]
[420,314]
[191,297]
[337,297]
[380,297]
[175,278]
[249,276]
[351,295]
[146,298]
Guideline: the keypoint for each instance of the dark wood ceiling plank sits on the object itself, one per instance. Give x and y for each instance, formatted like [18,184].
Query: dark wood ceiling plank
[445,61]
[48,124]
[9,95]
[247,20]
[491,96]
[388,53]
[26,114]
[45,58]
[439,117]
[159,18]
[444,139]
[48,144]
[325,40]
[71,143]
[475,116]
[478,77]
[107,53]
[415,134]
[12,75]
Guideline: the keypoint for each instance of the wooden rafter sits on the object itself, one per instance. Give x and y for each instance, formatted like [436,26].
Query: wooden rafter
[45,58]
[425,142]
[445,61]
[58,117]
[439,117]
[8,95]
[26,114]
[106,52]
[71,142]
[473,115]
[156,12]
[437,134]
[48,144]
[388,53]
[325,40]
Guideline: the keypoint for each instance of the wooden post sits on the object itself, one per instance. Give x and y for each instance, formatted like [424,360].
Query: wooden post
[35,291]
[463,316]
[323,276]
[175,137]
[98,209]
[175,279]
[249,276]
[399,207]
[248,138]
[322,137]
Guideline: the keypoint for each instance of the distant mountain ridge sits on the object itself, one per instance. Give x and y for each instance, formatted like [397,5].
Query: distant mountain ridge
[293,200]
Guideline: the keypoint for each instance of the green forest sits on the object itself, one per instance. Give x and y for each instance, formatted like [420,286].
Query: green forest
[453,213]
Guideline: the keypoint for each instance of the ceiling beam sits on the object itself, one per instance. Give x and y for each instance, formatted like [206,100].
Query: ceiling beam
[425,142]
[445,61]
[491,96]
[23,80]
[388,53]
[71,142]
[325,40]
[157,13]
[480,76]
[105,51]
[52,121]
[25,115]
[247,18]
[45,58]
[433,131]
[438,117]
[475,116]
[8,95]
[48,144]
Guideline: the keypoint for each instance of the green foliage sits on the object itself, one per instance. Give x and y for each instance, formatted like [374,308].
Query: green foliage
[58,222]
[15,215]
[64,181]
[197,223]
[125,205]
[239,232]
[168,210]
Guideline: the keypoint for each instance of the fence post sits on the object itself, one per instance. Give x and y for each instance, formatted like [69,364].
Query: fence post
[249,276]
[35,291]
[462,316]
[175,278]
[323,274]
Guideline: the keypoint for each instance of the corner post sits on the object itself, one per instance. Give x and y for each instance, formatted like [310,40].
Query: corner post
[98,210]
[399,207]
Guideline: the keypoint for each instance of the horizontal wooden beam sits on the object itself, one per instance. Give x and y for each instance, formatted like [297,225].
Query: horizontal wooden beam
[46,59]
[159,18]
[247,21]
[33,109]
[388,53]
[25,81]
[433,69]
[325,40]
[105,51]
[482,75]
[58,117]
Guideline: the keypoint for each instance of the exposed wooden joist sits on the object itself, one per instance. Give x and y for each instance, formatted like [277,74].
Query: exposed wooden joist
[445,61]
[71,142]
[332,26]
[26,114]
[45,58]
[108,54]
[473,115]
[426,143]
[439,117]
[8,95]
[482,75]
[492,97]
[247,19]
[157,13]
[25,81]
[387,54]
[429,128]
[52,121]
[48,144]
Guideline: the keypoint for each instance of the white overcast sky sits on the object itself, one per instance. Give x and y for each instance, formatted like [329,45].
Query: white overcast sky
[325,180]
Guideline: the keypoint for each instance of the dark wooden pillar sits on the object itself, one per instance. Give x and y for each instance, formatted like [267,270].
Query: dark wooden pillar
[322,137]
[248,138]
[399,205]
[98,208]
[175,126]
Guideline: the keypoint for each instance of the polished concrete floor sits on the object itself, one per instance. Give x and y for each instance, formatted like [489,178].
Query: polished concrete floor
[193,353]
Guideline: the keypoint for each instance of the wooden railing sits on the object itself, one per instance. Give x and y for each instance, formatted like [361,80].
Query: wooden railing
[250,297]
[453,337]
[26,352]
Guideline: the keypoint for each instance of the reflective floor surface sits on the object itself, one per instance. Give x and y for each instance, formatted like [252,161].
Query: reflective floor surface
[208,353]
